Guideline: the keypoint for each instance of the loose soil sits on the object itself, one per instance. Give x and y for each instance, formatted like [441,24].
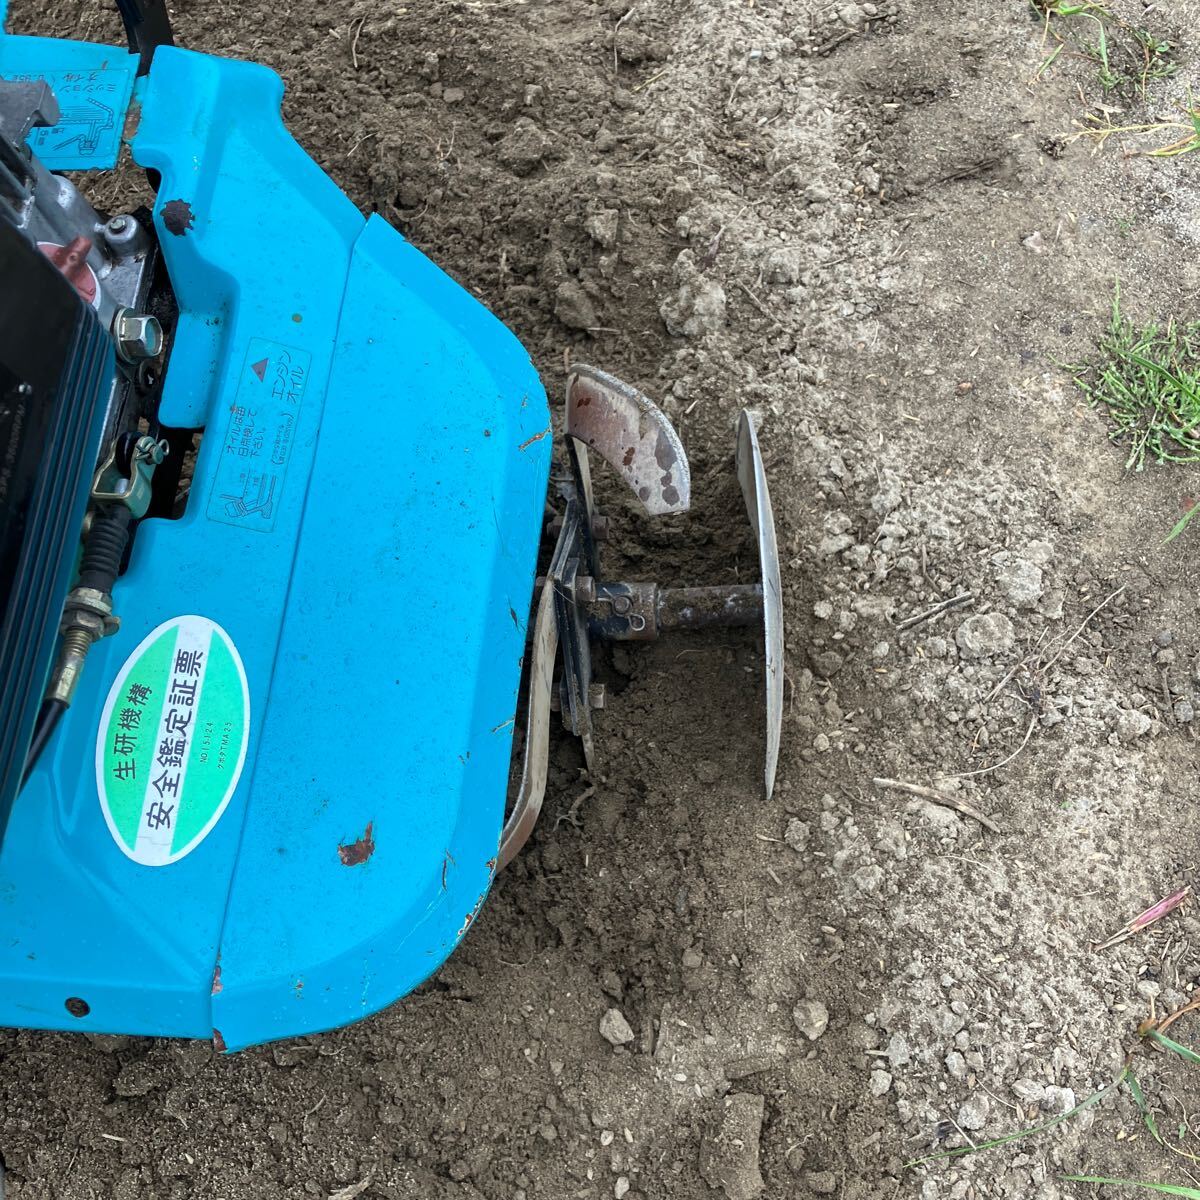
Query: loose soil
[871,225]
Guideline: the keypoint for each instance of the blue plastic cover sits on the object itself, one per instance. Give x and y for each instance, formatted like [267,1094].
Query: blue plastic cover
[93,85]
[363,523]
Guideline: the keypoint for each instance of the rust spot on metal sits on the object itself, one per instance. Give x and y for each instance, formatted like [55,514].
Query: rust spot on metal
[218,1042]
[491,866]
[354,854]
[446,863]
[217,986]
[628,459]
[537,437]
[664,452]
[177,217]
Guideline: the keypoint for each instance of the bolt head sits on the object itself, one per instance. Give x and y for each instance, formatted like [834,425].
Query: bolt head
[138,336]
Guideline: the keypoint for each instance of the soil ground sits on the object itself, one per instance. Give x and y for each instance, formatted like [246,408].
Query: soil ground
[871,224]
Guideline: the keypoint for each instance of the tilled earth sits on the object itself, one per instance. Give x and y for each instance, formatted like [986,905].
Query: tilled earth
[872,224]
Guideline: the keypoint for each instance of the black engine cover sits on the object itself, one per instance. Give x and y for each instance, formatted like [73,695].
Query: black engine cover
[56,374]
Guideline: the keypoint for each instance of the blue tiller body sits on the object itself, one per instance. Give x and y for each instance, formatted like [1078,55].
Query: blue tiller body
[276,798]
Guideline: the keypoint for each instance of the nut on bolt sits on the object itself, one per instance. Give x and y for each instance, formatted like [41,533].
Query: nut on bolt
[138,336]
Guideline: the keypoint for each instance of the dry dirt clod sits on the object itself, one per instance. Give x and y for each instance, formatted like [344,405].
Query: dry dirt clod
[698,304]
[985,635]
[523,147]
[730,1147]
[574,307]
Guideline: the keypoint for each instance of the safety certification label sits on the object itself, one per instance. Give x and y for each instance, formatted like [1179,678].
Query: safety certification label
[259,437]
[92,105]
[172,740]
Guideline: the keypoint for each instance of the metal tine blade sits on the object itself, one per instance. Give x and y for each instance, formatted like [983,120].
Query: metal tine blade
[753,479]
[633,435]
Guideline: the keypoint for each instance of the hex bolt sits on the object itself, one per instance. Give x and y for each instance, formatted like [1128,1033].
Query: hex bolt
[585,589]
[124,235]
[597,696]
[137,335]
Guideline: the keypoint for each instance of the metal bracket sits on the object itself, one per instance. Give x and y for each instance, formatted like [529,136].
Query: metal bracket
[532,792]
[130,483]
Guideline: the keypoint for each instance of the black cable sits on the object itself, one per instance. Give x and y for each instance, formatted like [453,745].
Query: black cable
[48,719]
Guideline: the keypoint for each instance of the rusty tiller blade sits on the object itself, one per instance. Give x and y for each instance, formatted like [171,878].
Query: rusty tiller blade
[628,430]
[753,479]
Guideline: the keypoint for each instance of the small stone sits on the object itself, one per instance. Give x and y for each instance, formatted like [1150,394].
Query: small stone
[614,1029]
[956,1064]
[730,1146]
[898,1053]
[1029,1091]
[1185,714]
[812,1018]
[453,95]
[1041,554]
[984,635]
[973,1112]
[827,663]
[574,307]
[602,227]
[1132,725]
[797,835]
[1058,1100]
[1035,242]
[621,1186]
[822,610]
[1164,637]
[824,1183]
[881,1081]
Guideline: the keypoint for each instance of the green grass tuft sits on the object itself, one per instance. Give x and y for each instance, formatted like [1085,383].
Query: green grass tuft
[1148,379]
[1127,57]
[1164,1189]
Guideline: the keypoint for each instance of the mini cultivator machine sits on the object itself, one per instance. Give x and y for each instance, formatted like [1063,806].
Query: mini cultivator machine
[258,690]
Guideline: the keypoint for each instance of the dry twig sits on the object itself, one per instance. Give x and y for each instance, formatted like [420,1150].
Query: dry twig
[915,789]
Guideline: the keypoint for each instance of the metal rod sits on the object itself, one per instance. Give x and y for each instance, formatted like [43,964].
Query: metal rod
[701,607]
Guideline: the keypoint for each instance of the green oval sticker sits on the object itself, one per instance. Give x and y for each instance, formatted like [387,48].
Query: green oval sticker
[172,740]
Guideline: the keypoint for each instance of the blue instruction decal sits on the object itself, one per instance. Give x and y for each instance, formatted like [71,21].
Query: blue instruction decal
[257,447]
[92,104]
